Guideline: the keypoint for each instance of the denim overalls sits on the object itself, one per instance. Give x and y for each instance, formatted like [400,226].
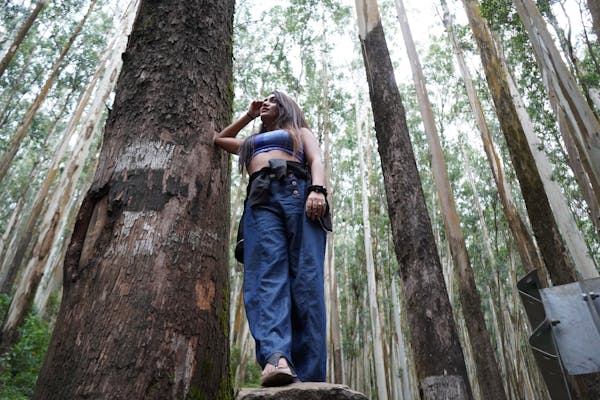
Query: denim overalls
[284,253]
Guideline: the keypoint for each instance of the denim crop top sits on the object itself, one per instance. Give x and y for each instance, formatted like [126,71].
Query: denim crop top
[273,140]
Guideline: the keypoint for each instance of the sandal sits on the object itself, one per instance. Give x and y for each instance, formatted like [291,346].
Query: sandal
[280,376]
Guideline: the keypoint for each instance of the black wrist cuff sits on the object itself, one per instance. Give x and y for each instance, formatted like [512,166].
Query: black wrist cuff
[318,189]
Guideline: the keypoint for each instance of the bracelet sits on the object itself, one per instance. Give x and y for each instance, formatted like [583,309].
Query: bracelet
[318,189]
[251,117]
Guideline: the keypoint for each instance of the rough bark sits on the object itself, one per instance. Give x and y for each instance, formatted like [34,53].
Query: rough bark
[434,340]
[540,214]
[20,36]
[145,302]
[302,391]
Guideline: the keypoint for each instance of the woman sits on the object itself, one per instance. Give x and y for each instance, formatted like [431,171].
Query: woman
[284,240]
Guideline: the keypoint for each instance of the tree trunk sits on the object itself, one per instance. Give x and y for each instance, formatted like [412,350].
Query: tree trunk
[58,201]
[594,7]
[145,301]
[574,114]
[434,340]
[18,136]
[486,367]
[525,243]
[542,219]
[335,345]
[377,338]
[20,36]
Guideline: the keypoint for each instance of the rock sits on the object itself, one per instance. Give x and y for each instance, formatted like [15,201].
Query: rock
[302,391]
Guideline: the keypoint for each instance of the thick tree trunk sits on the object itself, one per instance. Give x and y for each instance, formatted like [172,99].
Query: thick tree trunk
[145,302]
[437,352]
[20,36]
[486,367]
[20,133]
[542,219]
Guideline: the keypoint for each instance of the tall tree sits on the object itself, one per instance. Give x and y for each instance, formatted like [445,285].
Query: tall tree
[380,375]
[542,220]
[437,352]
[145,302]
[486,367]
[21,35]
[17,137]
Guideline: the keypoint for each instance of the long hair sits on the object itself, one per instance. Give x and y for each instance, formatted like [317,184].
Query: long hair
[291,118]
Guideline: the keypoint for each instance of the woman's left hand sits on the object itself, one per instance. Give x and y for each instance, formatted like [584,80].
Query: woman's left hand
[315,205]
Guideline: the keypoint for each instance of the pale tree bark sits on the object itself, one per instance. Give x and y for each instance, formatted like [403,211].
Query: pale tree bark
[59,200]
[584,265]
[542,220]
[438,356]
[399,338]
[380,375]
[525,243]
[486,367]
[335,346]
[12,263]
[21,35]
[17,137]
[145,304]
[594,7]
[575,117]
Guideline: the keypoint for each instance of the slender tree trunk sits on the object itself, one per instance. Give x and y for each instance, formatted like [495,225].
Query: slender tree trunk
[12,264]
[594,7]
[18,136]
[56,202]
[145,303]
[377,338]
[525,243]
[20,36]
[335,346]
[538,207]
[486,367]
[565,97]
[437,352]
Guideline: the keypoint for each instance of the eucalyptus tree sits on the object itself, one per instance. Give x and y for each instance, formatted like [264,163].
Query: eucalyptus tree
[486,367]
[14,46]
[145,308]
[19,134]
[437,352]
[540,213]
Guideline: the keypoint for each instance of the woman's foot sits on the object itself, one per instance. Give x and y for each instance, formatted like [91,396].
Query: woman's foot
[278,375]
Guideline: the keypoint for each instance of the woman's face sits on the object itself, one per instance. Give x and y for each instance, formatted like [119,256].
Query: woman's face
[269,110]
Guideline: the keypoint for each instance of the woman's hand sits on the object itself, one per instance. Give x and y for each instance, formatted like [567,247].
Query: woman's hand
[254,109]
[315,205]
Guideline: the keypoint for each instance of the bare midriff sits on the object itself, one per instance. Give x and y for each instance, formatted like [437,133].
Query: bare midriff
[261,160]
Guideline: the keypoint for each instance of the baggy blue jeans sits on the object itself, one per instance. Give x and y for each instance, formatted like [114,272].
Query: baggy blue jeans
[284,253]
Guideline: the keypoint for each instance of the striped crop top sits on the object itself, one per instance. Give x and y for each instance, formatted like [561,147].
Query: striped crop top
[273,140]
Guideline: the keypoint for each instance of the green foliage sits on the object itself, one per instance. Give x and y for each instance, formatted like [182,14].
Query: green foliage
[20,367]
